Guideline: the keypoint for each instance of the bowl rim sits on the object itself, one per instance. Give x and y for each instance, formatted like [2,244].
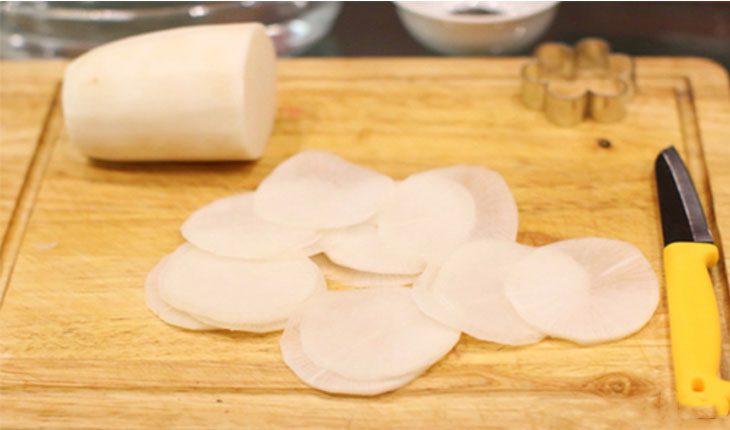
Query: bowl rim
[484,19]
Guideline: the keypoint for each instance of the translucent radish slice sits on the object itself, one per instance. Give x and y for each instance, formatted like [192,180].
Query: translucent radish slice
[496,209]
[326,380]
[432,305]
[317,189]
[313,249]
[356,278]
[164,311]
[238,294]
[372,333]
[229,227]
[471,284]
[427,217]
[253,328]
[359,247]
[587,290]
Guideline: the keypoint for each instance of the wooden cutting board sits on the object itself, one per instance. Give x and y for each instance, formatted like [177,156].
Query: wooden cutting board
[79,349]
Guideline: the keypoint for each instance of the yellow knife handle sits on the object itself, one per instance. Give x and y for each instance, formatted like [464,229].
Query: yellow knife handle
[694,325]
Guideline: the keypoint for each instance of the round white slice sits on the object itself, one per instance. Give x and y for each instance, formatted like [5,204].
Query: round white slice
[318,190]
[356,278]
[496,210]
[238,294]
[372,333]
[432,305]
[471,282]
[586,290]
[359,247]
[326,380]
[427,217]
[253,327]
[230,228]
[164,311]
[313,249]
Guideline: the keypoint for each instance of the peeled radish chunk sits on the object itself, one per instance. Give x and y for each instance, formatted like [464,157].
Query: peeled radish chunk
[236,294]
[495,207]
[356,278]
[467,293]
[193,93]
[586,290]
[326,380]
[360,248]
[372,334]
[229,227]
[427,217]
[164,311]
[318,190]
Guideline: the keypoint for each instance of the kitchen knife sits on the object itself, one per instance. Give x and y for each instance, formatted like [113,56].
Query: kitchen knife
[694,321]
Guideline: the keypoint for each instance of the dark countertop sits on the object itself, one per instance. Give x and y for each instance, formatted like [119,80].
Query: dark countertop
[636,28]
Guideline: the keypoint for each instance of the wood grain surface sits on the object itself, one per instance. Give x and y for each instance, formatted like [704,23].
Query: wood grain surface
[27,93]
[79,349]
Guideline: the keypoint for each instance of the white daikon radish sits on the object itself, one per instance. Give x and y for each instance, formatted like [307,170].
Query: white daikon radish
[229,227]
[497,216]
[313,249]
[427,217]
[317,189]
[237,294]
[586,290]
[431,304]
[356,278]
[360,248]
[193,93]
[164,311]
[469,287]
[372,333]
[326,380]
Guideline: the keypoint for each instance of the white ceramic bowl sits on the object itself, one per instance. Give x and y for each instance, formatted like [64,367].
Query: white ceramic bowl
[476,27]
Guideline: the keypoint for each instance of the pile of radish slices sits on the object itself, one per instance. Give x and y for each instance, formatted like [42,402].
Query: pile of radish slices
[257,262]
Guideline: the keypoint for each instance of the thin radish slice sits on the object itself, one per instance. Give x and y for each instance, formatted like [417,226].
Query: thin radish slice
[427,217]
[252,328]
[164,311]
[471,284]
[238,294]
[497,216]
[432,305]
[359,247]
[229,227]
[372,333]
[356,278]
[587,290]
[326,380]
[313,249]
[317,189]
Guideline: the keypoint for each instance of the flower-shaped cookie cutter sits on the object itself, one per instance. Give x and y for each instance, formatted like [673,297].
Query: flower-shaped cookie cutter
[573,83]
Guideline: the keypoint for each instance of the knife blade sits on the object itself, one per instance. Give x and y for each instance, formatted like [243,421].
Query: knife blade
[694,321]
[683,219]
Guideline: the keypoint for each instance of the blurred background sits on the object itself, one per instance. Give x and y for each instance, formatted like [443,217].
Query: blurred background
[50,29]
